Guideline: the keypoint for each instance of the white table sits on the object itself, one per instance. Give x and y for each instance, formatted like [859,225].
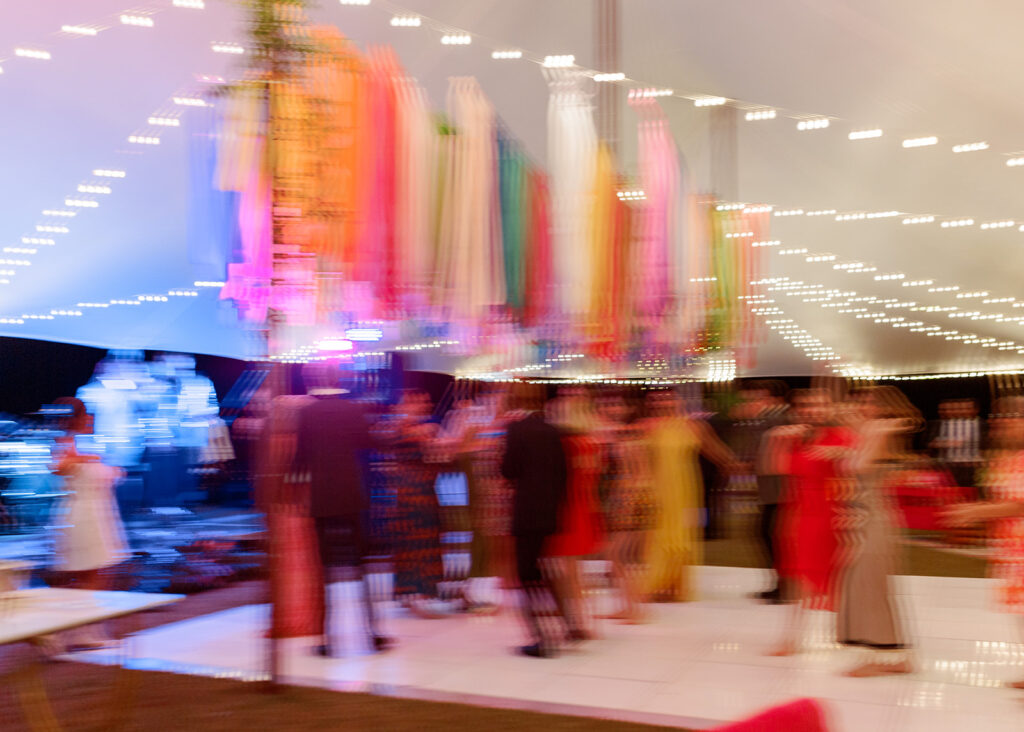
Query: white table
[27,615]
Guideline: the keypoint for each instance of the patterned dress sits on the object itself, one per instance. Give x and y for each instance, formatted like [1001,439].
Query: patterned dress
[416,525]
[1006,483]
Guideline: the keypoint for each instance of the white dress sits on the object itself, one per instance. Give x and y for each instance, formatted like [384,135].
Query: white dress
[90,534]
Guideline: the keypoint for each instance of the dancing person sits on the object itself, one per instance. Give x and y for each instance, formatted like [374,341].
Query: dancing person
[1004,509]
[770,469]
[333,435]
[416,528]
[579,531]
[297,594]
[675,441]
[627,505]
[808,545]
[535,462]
[868,613]
[90,540]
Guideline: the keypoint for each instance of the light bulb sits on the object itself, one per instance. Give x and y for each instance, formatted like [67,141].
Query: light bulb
[141,21]
[32,53]
[864,134]
[505,55]
[920,141]
[406,21]
[562,61]
[617,76]
[79,30]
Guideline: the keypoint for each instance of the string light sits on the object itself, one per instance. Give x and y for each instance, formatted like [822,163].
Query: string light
[760,115]
[207,283]
[38,240]
[140,21]
[61,214]
[232,48]
[189,101]
[354,2]
[81,203]
[1014,162]
[631,195]
[47,229]
[970,147]
[997,225]
[822,212]
[106,173]
[457,39]
[790,212]
[818,123]
[764,208]
[709,101]
[884,277]
[563,61]
[919,220]
[19,250]
[79,30]
[920,141]
[506,55]
[144,140]
[406,21]
[85,188]
[33,53]
[956,223]
[617,76]
[772,243]
[918,283]
[864,134]
[164,121]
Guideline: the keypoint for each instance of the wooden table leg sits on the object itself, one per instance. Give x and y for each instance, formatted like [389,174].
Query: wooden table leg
[35,704]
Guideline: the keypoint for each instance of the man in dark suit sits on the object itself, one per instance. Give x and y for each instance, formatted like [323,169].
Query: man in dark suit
[333,434]
[536,464]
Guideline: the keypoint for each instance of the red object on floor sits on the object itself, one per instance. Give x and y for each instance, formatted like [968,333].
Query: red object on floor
[803,715]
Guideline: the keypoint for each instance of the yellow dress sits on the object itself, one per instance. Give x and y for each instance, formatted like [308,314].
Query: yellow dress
[675,541]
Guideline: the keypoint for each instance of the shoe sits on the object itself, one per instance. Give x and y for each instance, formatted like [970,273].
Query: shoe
[535,650]
[772,597]
[578,635]
[324,651]
[382,643]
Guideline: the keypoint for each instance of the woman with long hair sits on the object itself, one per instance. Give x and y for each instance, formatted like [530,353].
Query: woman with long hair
[416,529]
[579,532]
[627,505]
[808,543]
[869,616]
[91,539]
[675,440]
[1004,511]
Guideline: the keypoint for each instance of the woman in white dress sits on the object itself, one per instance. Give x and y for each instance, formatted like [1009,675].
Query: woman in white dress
[90,536]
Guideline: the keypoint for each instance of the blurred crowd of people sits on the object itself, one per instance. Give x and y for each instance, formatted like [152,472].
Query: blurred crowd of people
[555,477]
[551,477]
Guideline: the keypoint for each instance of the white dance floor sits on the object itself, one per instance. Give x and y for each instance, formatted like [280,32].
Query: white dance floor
[695,665]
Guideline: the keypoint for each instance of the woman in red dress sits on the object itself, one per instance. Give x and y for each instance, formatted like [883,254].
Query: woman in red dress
[808,539]
[579,532]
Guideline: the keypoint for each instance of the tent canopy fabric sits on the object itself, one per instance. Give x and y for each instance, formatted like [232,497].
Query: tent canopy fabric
[913,71]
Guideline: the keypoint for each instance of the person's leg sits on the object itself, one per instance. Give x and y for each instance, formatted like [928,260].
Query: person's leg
[325,549]
[528,550]
[793,628]
[767,531]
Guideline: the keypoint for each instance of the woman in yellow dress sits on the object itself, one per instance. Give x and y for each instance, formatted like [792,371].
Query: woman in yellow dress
[675,442]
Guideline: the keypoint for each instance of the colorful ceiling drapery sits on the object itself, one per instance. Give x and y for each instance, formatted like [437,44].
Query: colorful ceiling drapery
[356,202]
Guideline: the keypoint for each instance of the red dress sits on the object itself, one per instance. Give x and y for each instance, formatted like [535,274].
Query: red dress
[578,527]
[808,539]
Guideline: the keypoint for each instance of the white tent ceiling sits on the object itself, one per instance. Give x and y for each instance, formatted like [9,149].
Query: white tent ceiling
[941,68]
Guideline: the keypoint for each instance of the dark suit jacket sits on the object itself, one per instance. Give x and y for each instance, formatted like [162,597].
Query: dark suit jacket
[535,462]
[332,435]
